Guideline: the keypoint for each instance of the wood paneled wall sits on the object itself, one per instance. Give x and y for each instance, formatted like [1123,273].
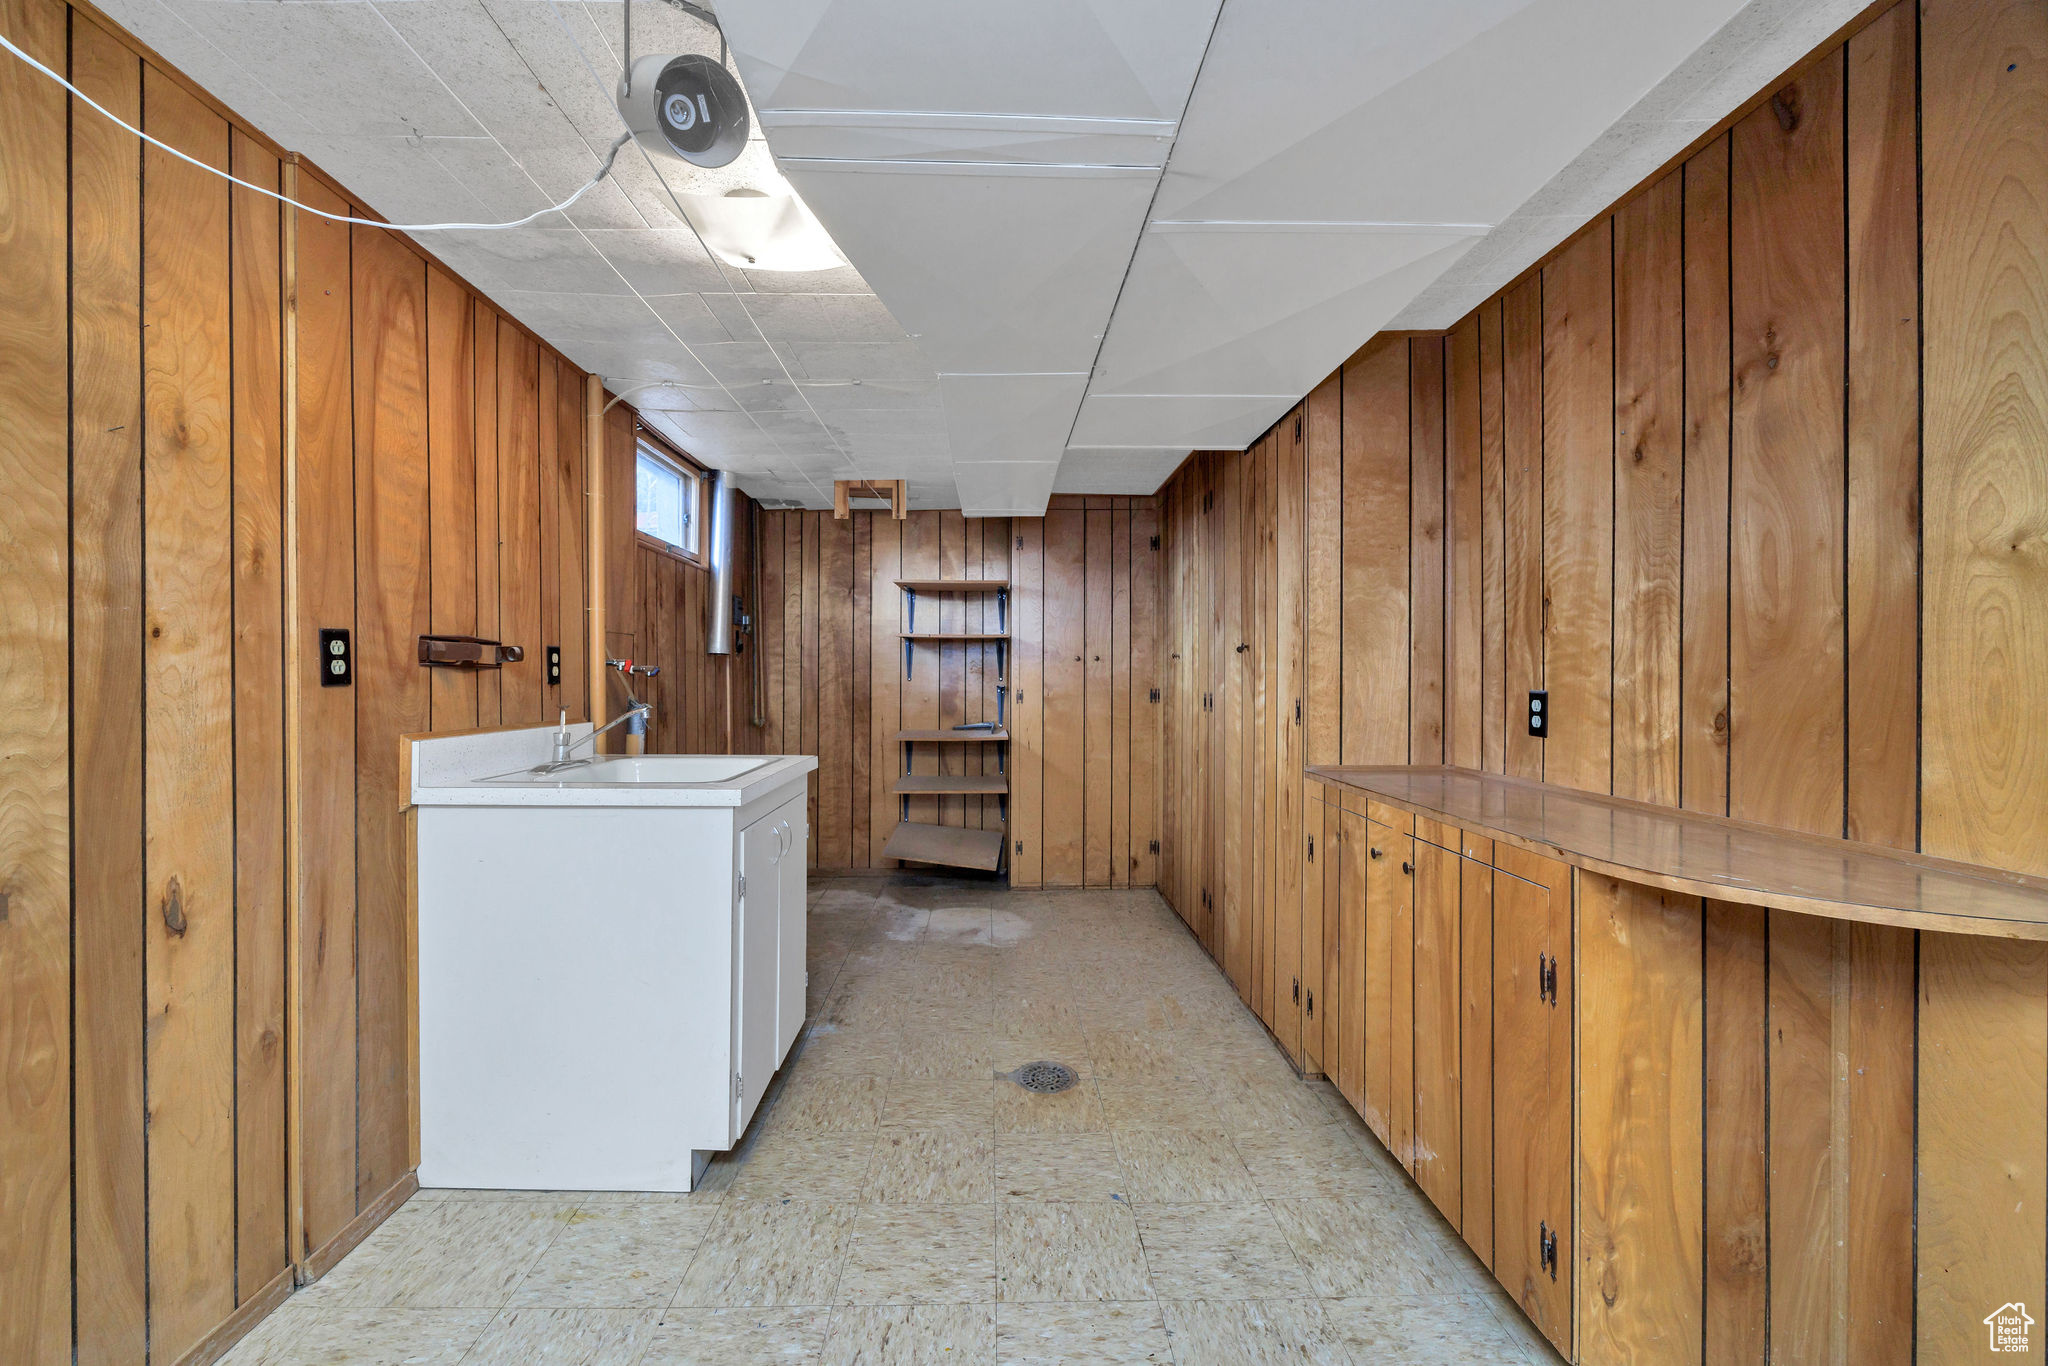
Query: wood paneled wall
[205,1030]
[658,612]
[1679,478]
[1083,666]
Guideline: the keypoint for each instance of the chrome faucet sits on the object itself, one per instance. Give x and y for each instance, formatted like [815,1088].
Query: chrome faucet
[637,711]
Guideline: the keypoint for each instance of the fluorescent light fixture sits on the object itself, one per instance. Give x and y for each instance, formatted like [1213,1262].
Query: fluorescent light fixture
[758,230]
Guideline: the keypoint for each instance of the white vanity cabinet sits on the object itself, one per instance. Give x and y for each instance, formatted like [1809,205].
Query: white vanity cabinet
[610,959]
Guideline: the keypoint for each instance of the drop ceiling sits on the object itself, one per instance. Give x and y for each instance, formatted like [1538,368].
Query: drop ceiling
[1085,236]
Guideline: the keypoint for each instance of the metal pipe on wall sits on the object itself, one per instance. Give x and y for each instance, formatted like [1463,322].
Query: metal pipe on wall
[718,630]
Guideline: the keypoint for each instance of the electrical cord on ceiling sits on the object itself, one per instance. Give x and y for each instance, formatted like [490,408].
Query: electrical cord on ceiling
[604,168]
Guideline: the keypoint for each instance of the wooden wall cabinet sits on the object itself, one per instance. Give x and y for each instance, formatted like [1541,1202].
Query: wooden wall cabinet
[1532,1088]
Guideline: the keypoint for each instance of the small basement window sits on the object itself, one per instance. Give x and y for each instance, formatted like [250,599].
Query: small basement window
[665,502]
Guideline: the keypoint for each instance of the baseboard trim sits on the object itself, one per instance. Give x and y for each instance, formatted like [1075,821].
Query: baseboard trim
[236,1326]
[322,1260]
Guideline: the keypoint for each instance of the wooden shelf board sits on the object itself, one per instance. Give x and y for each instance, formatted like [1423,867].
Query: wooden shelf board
[1713,856]
[952,845]
[952,784]
[955,585]
[953,635]
[954,737]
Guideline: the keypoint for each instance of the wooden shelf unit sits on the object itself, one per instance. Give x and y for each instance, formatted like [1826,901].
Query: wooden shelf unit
[953,846]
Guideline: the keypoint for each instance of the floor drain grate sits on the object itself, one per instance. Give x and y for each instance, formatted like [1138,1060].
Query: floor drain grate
[1046,1078]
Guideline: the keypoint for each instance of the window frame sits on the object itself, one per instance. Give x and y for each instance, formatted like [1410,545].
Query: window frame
[648,444]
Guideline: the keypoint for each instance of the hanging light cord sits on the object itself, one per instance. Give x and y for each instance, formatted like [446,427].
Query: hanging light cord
[604,168]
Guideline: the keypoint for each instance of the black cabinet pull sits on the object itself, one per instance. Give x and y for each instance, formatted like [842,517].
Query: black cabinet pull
[1376,851]
[1407,867]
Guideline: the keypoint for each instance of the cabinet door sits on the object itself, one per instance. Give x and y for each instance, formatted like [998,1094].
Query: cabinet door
[792,902]
[1389,1070]
[1354,845]
[1438,1145]
[756,967]
[1532,1113]
[1475,1066]
[1315,853]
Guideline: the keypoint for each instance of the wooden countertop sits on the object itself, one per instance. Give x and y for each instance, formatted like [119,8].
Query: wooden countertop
[1714,856]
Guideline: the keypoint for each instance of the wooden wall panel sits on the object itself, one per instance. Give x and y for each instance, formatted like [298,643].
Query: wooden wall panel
[1703,625]
[188,726]
[618,469]
[1147,694]
[1497,705]
[833,835]
[1465,595]
[1578,509]
[393,693]
[35,796]
[1883,431]
[1786,461]
[1376,501]
[452,502]
[261,1245]
[1984,616]
[519,562]
[1522,616]
[1427,476]
[106,705]
[1649,468]
[324,734]
[1027,705]
[1096,594]
[1061,696]
[1324,511]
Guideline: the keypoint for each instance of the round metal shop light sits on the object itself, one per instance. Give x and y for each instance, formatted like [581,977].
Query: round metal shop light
[701,110]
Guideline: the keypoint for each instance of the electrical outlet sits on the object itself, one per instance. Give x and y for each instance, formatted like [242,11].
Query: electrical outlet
[1539,713]
[337,665]
[554,665]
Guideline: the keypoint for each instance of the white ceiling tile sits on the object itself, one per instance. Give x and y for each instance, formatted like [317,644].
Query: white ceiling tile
[1117,471]
[341,66]
[1003,269]
[1262,312]
[835,396]
[688,317]
[1011,417]
[1101,58]
[890,363]
[506,262]
[660,260]
[1197,421]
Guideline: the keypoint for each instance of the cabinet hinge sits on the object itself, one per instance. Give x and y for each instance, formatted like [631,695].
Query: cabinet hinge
[1311,848]
[1297,711]
[743,887]
[1546,978]
[1153,847]
[1155,543]
[1297,991]
[738,1090]
[1297,427]
[1154,696]
[1020,846]
[1546,1248]
[1311,1005]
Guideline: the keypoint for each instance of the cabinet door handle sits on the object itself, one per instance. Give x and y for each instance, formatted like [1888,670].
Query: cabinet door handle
[1407,867]
[1376,851]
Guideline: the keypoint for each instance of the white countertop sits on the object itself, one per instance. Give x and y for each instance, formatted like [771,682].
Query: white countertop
[492,768]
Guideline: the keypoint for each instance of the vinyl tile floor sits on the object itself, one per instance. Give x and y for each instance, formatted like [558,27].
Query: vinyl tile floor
[1191,1200]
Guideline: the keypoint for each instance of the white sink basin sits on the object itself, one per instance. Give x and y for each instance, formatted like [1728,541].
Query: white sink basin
[650,768]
